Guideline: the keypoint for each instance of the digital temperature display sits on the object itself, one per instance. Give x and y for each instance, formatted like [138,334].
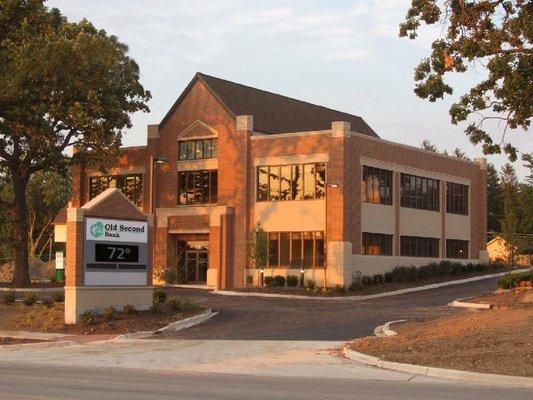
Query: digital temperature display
[117,253]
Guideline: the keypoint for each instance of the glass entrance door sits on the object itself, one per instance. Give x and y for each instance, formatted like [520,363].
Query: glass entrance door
[196,263]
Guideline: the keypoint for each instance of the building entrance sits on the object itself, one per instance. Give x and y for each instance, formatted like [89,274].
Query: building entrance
[196,264]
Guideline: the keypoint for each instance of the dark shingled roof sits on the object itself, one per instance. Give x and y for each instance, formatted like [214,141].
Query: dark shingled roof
[274,113]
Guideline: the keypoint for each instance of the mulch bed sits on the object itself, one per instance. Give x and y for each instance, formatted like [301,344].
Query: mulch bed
[8,341]
[516,298]
[385,287]
[34,285]
[38,318]
[497,341]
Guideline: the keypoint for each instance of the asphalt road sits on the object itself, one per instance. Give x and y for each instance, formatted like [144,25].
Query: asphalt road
[38,383]
[256,318]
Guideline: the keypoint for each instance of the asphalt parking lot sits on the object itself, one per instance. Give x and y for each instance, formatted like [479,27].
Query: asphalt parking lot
[255,318]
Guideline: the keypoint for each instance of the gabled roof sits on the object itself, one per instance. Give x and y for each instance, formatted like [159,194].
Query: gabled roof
[274,113]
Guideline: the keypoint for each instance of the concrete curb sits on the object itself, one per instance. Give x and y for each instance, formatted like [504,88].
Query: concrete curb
[38,345]
[33,335]
[172,327]
[464,304]
[365,297]
[385,331]
[489,379]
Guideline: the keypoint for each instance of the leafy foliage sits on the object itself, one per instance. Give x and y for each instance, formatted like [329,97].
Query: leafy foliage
[257,248]
[495,34]
[64,85]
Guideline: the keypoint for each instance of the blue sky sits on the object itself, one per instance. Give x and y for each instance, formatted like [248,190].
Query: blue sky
[344,55]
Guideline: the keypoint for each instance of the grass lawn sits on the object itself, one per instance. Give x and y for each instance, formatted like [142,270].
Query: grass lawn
[497,341]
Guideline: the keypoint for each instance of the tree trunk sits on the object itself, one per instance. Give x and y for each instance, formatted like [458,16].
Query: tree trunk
[21,274]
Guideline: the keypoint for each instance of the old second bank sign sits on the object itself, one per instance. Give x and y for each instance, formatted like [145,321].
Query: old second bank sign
[115,252]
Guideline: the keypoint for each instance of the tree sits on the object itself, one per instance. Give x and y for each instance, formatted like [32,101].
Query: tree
[428,146]
[510,221]
[64,85]
[494,200]
[528,163]
[457,152]
[257,248]
[494,34]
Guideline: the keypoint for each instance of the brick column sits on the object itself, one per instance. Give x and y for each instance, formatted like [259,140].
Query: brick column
[478,223]
[442,201]
[74,247]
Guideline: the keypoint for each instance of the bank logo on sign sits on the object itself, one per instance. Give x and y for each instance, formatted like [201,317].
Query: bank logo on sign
[97,229]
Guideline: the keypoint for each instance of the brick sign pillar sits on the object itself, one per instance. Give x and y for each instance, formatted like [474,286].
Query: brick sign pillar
[108,252]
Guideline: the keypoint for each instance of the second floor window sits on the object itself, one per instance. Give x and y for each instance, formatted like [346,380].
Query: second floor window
[377,185]
[419,192]
[456,198]
[291,182]
[197,149]
[131,185]
[197,187]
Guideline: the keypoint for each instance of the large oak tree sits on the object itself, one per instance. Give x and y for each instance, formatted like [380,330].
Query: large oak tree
[62,85]
[494,35]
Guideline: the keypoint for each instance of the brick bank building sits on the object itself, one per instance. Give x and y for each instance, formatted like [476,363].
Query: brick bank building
[332,195]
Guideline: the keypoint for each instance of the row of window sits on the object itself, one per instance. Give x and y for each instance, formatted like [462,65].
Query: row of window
[197,187]
[296,249]
[415,191]
[291,182]
[412,246]
[131,185]
[197,149]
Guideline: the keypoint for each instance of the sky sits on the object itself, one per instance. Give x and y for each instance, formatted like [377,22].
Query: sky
[344,55]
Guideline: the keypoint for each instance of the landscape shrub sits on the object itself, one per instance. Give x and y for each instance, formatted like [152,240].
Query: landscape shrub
[249,280]
[58,297]
[129,309]
[269,281]
[157,308]
[378,279]
[292,280]
[513,279]
[47,302]
[30,298]
[110,313]
[341,289]
[356,285]
[87,318]
[9,297]
[311,284]
[401,274]
[159,296]
[388,277]
[366,281]
[280,280]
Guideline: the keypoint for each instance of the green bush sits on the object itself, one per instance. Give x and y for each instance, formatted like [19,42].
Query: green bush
[341,289]
[87,318]
[249,280]
[129,309]
[388,277]
[511,280]
[311,284]
[275,281]
[9,297]
[292,280]
[47,302]
[280,280]
[30,298]
[356,285]
[378,279]
[58,297]
[110,313]
[269,281]
[157,308]
[366,281]
[159,296]
[175,303]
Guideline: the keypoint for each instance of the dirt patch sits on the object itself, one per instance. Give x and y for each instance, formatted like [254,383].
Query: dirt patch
[382,288]
[7,341]
[35,285]
[517,298]
[38,318]
[493,341]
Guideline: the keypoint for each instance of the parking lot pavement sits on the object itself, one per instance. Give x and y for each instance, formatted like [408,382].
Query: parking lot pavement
[258,318]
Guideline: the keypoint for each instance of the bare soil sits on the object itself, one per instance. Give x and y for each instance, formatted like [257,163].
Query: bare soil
[8,340]
[34,285]
[39,318]
[497,341]
[384,287]
[516,298]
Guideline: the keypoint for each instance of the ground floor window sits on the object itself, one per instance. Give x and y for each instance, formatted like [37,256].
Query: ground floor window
[377,244]
[456,248]
[296,249]
[415,246]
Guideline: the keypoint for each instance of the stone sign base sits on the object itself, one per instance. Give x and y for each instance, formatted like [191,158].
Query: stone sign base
[79,299]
